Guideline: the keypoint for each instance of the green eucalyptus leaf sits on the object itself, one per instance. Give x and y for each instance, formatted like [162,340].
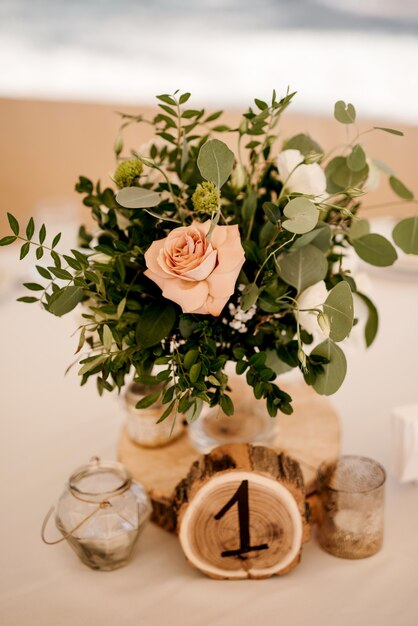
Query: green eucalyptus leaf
[249,296]
[405,235]
[340,176]
[303,268]
[154,324]
[340,311]
[320,237]
[302,216]
[375,249]
[356,160]
[276,364]
[304,143]
[359,228]
[215,162]
[400,189]
[344,113]
[331,378]
[137,198]
[372,324]
[65,300]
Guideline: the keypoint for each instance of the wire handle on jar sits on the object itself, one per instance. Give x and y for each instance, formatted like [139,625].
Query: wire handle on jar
[68,534]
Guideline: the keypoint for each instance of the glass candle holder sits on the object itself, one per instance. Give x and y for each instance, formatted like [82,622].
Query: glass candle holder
[101,514]
[250,423]
[350,523]
[142,424]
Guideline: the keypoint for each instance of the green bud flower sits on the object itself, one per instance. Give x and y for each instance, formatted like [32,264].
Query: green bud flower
[313,158]
[302,358]
[127,172]
[206,198]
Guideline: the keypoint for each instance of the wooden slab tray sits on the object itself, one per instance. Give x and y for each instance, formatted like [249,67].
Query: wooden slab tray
[311,436]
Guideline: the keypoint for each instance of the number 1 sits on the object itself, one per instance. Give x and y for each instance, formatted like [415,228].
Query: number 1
[241,498]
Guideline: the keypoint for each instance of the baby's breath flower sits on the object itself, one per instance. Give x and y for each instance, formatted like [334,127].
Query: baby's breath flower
[127,172]
[206,198]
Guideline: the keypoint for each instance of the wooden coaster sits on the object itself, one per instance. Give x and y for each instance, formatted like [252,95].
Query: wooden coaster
[242,513]
[311,436]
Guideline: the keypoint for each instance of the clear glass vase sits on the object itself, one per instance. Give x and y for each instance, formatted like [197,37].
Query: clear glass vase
[141,424]
[250,423]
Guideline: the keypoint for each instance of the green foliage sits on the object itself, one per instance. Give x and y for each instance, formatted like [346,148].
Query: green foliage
[344,113]
[302,216]
[375,249]
[405,235]
[303,268]
[333,371]
[291,241]
[137,198]
[340,310]
[400,189]
[215,162]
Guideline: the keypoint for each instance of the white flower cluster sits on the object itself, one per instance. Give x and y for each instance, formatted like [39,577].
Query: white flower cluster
[240,317]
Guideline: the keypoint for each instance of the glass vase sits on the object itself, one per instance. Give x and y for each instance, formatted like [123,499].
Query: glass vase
[250,423]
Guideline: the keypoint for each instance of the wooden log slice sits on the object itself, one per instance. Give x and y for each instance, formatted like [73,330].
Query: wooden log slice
[311,436]
[242,513]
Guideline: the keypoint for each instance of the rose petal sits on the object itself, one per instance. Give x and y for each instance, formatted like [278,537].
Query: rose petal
[189,295]
[157,278]
[231,251]
[222,284]
[215,305]
[151,257]
[203,270]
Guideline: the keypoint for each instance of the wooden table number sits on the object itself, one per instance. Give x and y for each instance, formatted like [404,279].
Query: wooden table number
[242,513]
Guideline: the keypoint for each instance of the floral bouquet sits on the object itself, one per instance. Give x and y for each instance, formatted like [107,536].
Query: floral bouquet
[202,255]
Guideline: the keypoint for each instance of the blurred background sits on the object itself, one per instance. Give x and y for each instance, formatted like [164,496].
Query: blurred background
[67,65]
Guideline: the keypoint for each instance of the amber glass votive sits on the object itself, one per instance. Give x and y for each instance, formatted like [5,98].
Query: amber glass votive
[350,523]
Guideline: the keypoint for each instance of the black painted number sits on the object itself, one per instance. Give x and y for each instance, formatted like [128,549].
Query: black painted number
[241,498]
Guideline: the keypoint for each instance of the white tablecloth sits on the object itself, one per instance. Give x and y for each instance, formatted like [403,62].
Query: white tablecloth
[49,426]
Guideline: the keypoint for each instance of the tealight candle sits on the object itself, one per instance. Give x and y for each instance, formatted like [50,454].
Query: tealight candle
[350,523]
[101,514]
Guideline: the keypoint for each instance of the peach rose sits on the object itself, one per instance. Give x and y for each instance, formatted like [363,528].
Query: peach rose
[197,273]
